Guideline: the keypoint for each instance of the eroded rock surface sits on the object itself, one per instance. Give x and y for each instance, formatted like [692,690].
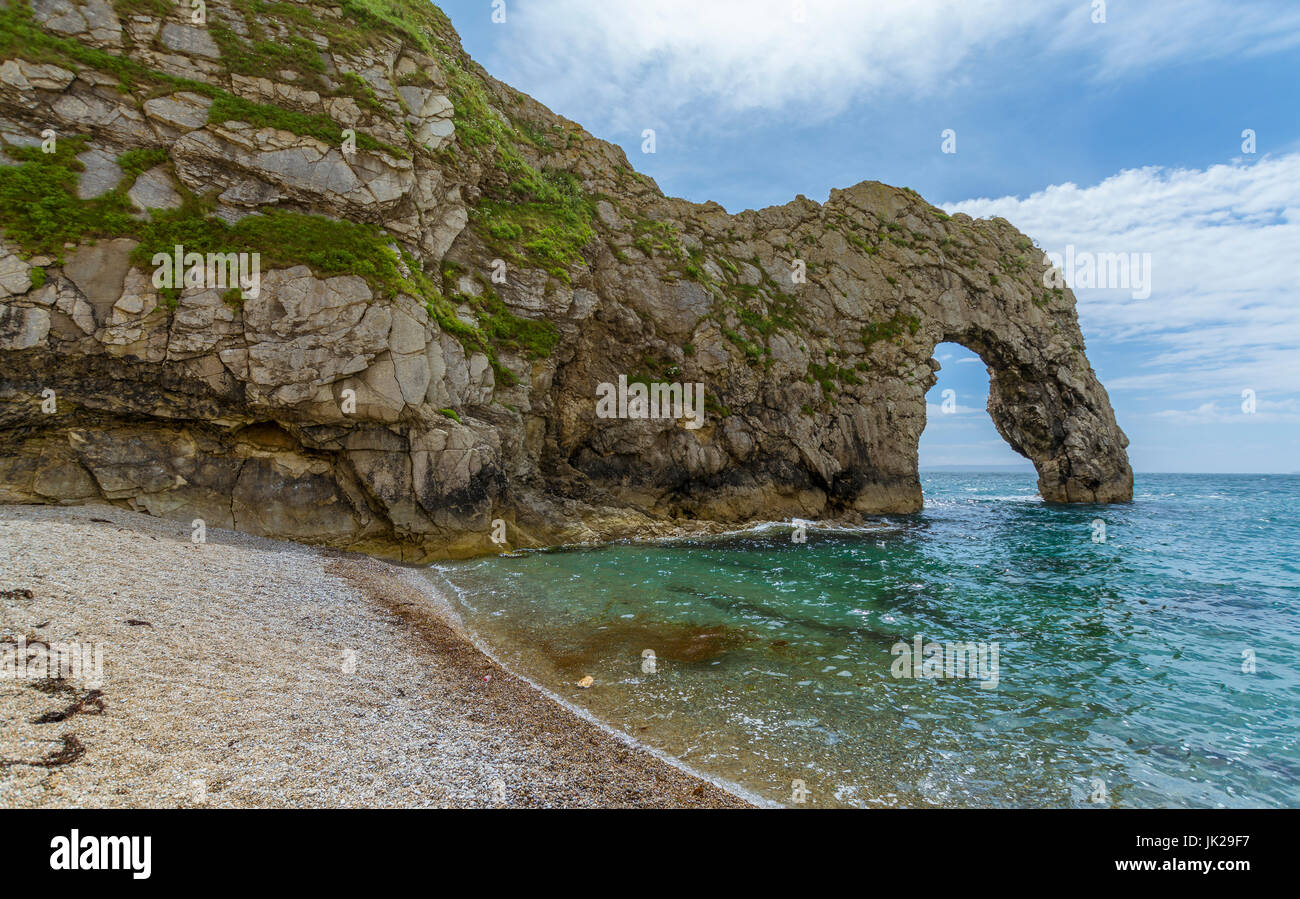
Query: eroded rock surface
[404,412]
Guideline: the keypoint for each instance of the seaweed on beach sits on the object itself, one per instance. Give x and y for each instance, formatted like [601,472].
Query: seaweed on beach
[52,686]
[71,750]
[91,704]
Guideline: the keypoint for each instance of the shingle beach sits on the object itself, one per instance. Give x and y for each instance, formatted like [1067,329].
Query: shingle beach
[246,672]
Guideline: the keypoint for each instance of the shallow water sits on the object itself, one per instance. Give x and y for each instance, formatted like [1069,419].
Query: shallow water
[1119,667]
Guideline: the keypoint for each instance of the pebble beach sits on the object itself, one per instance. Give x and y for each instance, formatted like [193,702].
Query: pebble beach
[247,672]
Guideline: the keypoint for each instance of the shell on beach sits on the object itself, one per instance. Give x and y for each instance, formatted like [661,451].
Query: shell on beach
[586,682]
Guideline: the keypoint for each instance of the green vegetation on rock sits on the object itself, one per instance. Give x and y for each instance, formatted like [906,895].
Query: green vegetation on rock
[227,107]
[138,161]
[20,36]
[41,212]
[545,223]
[542,217]
[39,206]
[891,329]
[532,338]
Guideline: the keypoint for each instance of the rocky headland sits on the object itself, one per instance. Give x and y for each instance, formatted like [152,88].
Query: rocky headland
[447,271]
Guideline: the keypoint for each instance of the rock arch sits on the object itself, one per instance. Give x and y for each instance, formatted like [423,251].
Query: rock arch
[1044,397]
[475,400]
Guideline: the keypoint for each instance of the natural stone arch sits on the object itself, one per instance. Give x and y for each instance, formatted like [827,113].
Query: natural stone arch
[1044,398]
[407,415]
[870,316]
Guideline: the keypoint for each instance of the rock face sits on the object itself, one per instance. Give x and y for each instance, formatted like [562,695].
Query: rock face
[448,273]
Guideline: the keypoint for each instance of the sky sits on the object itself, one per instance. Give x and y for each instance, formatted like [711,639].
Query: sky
[1165,130]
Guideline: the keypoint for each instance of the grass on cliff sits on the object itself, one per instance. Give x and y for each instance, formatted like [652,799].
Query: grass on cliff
[364,24]
[21,37]
[531,338]
[266,54]
[267,58]
[39,206]
[546,223]
[229,108]
[889,330]
[761,310]
[41,212]
[543,219]
[330,247]
[420,21]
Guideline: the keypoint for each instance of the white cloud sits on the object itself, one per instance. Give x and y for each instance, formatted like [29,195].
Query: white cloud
[1224,310]
[936,450]
[1151,34]
[934,411]
[647,60]
[638,63]
[1266,412]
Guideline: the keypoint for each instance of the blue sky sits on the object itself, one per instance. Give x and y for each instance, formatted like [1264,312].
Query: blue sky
[1115,136]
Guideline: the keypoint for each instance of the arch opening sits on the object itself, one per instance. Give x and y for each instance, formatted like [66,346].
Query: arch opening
[959,434]
[1047,404]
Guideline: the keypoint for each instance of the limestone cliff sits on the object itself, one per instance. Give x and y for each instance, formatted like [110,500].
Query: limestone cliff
[448,271]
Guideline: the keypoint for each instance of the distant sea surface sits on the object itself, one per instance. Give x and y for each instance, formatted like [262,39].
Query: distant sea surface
[1154,664]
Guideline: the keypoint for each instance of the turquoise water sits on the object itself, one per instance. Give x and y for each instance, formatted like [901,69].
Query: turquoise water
[1120,675]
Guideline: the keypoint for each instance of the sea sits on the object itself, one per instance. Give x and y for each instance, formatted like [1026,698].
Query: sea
[990,651]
